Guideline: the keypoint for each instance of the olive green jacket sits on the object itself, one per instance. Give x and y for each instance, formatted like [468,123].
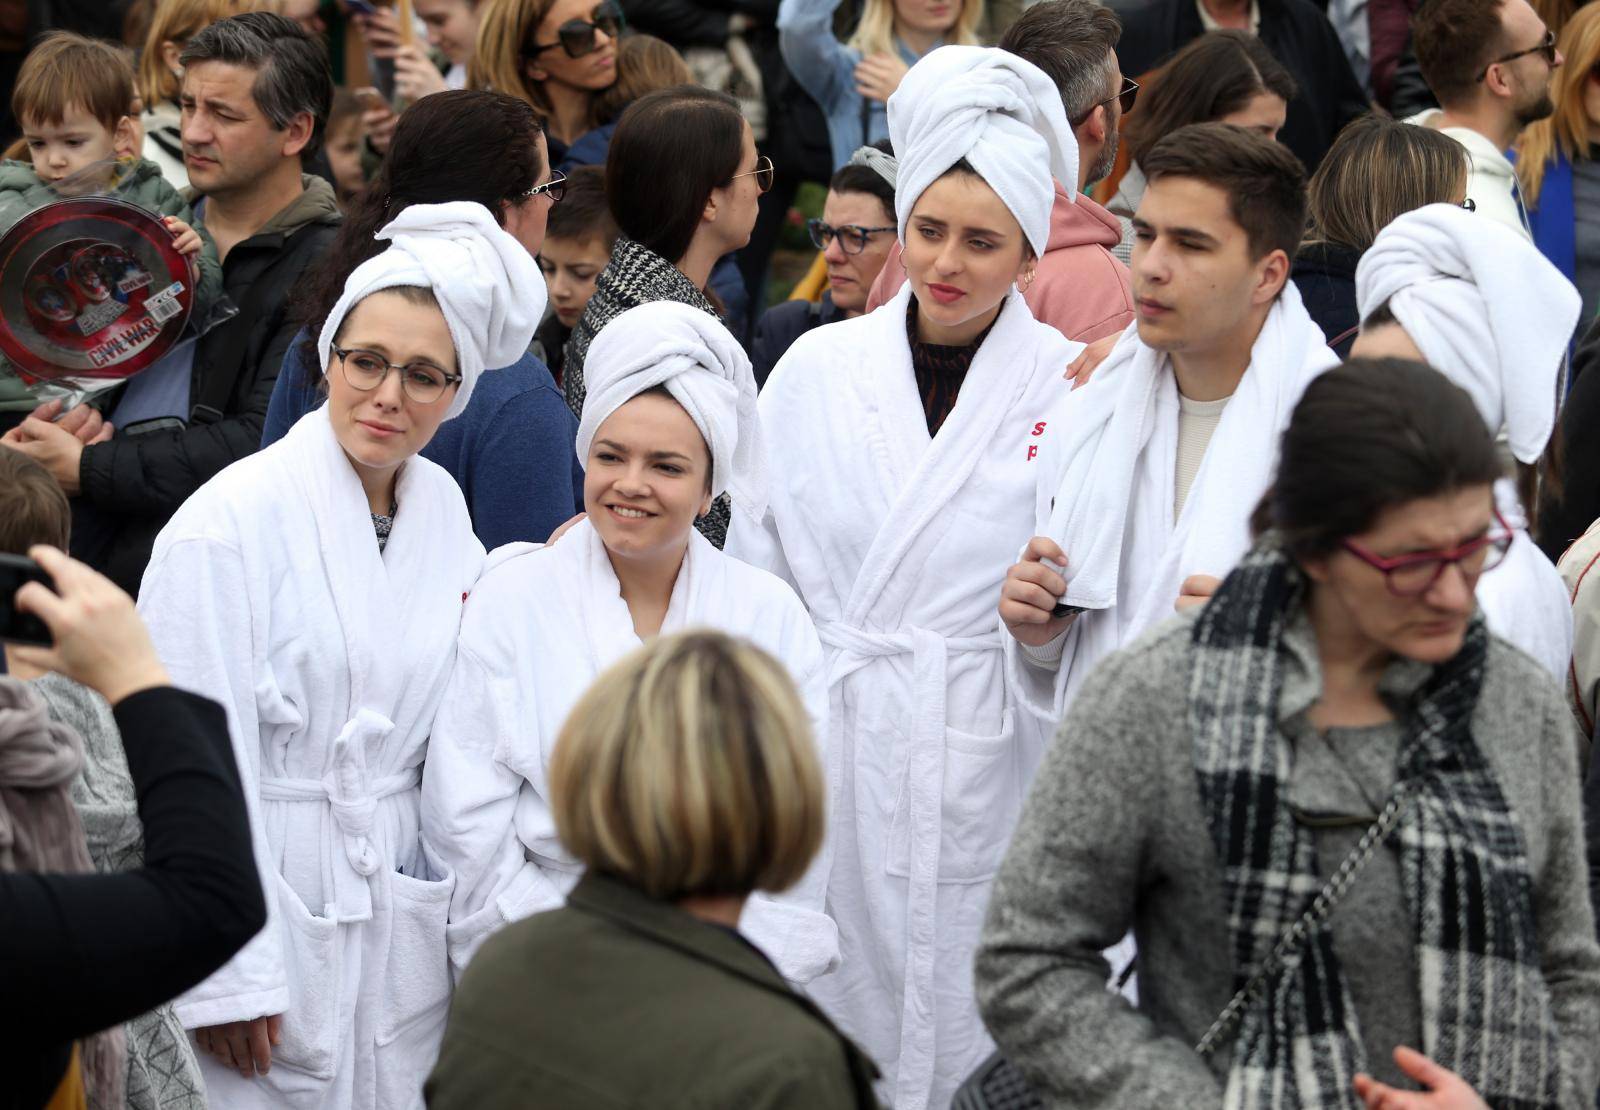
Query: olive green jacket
[620,1000]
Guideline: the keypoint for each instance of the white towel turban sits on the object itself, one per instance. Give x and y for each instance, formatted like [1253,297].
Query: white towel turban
[488,285]
[1000,113]
[1484,307]
[699,362]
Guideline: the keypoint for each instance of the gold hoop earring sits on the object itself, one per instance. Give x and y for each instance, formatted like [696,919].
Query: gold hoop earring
[1028,279]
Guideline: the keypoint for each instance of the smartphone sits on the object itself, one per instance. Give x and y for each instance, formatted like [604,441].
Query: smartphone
[21,628]
[1064,610]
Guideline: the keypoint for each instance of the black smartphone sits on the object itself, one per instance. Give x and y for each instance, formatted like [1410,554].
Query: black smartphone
[1062,609]
[21,628]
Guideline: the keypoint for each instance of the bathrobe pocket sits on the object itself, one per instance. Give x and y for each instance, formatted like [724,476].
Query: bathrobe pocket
[311,1028]
[980,800]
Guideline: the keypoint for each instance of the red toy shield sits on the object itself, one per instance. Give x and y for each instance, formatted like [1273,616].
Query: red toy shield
[91,288]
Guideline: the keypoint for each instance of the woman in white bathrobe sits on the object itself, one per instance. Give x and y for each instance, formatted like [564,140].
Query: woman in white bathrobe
[669,423]
[903,444]
[315,590]
[1481,305]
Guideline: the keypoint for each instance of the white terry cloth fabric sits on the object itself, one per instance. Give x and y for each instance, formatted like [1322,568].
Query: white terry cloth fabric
[1486,309]
[541,625]
[701,364]
[1000,113]
[1524,599]
[267,592]
[1106,490]
[488,285]
[898,543]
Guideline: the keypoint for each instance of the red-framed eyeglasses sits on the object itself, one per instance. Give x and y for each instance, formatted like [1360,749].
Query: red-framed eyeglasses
[1414,574]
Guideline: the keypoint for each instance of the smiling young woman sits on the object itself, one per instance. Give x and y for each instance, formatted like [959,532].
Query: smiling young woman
[669,423]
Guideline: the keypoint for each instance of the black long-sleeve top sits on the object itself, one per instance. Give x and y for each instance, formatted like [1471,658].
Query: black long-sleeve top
[81,953]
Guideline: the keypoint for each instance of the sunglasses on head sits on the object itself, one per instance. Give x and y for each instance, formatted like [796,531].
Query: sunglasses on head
[579,37]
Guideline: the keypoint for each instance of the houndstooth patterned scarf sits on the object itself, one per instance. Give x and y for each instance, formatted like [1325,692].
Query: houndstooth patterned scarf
[1486,1012]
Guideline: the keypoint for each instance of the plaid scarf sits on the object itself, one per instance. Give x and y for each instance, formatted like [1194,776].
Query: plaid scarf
[1486,1012]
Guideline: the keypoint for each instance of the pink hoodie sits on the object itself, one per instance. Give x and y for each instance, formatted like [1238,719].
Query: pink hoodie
[1081,290]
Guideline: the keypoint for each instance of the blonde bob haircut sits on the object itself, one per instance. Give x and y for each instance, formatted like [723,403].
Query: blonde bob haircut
[1379,168]
[505,29]
[875,33]
[689,768]
[176,21]
[1566,131]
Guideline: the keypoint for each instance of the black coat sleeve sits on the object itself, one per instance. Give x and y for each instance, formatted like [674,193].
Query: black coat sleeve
[1563,519]
[694,22]
[88,951]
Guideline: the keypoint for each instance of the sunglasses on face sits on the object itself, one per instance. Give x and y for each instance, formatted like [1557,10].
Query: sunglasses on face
[1414,574]
[853,239]
[1128,96]
[763,174]
[580,37]
[555,188]
[1547,48]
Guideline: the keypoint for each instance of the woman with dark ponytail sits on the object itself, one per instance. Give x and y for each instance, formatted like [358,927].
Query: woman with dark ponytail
[1339,692]
[511,451]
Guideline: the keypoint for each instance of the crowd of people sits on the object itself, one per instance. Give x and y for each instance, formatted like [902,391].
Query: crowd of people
[1120,634]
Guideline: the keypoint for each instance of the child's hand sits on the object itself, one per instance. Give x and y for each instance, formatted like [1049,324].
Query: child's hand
[185,238]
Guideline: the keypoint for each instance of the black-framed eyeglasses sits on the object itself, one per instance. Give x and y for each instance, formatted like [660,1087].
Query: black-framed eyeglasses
[1469,204]
[1547,48]
[763,173]
[1128,95]
[853,238]
[580,37]
[1414,574]
[555,188]
[365,370]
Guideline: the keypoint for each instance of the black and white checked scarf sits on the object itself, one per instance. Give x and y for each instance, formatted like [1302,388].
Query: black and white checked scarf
[1486,1011]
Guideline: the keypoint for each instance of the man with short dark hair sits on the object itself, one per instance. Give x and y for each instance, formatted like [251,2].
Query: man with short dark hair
[1296,31]
[1489,63]
[1149,474]
[255,98]
[1080,287]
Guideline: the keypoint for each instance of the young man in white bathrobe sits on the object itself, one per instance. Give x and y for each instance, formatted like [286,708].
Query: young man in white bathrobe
[1150,472]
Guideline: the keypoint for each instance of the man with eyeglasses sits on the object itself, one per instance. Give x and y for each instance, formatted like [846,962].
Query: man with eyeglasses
[1080,289]
[1489,63]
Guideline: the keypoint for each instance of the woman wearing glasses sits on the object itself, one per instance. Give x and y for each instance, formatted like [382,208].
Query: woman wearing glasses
[902,446]
[1475,299]
[682,179]
[855,235]
[558,55]
[1210,781]
[315,589]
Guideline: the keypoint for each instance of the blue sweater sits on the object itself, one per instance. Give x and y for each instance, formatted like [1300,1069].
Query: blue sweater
[511,452]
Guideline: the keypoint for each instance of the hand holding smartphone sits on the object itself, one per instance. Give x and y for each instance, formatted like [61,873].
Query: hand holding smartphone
[17,627]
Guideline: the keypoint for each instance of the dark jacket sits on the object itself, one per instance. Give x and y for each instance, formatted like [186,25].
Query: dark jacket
[133,484]
[1325,274]
[511,451]
[1591,829]
[619,1000]
[1562,520]
[84,952]
[1296,32]
[781,325]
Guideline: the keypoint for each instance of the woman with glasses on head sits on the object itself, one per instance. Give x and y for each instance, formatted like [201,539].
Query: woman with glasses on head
[511,451]
[315,589]
[682,179]
[902,445]
[855,235]
[1339,690]
[558,55]
[1475,299]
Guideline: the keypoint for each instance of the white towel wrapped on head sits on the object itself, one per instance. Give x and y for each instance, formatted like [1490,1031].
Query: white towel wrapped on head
[997,111]
[698,361]
[1484,307]
[488,286]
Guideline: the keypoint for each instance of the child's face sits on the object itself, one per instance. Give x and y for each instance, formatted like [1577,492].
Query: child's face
[343,144]
[571,267]
[75,142]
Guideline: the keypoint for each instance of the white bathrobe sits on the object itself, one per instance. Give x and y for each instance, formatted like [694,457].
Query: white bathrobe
[267,592]
[898,545]
[541,626]
[1524,598]
[1106,491]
